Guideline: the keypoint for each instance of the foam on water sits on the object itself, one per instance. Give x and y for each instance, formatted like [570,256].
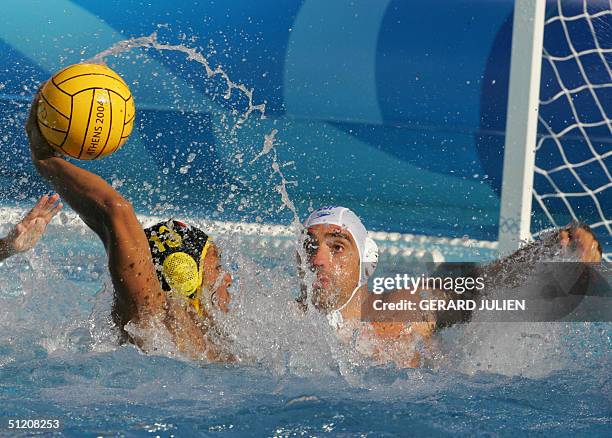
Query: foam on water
[59,295]
[60,357]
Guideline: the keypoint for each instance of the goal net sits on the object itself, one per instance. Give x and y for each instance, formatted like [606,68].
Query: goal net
[573,160]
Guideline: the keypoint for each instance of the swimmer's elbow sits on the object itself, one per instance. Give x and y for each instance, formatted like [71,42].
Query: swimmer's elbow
[116,207]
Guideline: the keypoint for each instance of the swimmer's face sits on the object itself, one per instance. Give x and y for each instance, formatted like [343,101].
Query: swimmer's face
[334,258]
[215,279]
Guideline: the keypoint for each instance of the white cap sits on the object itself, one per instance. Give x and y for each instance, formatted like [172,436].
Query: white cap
[346,219]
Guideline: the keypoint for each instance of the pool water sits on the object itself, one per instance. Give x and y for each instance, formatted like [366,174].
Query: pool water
[60,359]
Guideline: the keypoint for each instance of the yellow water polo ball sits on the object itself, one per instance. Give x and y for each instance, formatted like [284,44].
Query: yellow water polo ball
[86,111]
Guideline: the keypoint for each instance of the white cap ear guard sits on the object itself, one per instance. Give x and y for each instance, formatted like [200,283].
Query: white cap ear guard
[370,260]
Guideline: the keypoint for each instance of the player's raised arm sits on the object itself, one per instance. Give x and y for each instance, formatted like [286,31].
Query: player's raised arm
[109,215]
[138,295]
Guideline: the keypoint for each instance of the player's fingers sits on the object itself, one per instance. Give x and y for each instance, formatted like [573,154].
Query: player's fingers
[584,244]
[588,247]
[31,125]
[564,238]
[31,121]
[595,254]
[51,201]
[35,211]
[45,205]
[51,213]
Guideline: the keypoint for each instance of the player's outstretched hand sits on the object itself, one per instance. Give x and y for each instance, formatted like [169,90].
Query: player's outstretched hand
[27,232]
[579,240]
[38,145]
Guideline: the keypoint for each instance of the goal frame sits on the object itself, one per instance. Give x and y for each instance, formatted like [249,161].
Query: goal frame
[521,125]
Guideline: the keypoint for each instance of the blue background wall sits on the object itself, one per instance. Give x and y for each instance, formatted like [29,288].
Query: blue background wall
[395,108]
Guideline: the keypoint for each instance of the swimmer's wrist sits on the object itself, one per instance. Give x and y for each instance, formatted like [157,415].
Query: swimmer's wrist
[41,156]
[44,165]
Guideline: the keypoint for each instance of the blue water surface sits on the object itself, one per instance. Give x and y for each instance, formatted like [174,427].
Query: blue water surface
[60,359]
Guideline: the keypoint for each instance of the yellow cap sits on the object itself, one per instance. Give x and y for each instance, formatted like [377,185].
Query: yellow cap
[181,273]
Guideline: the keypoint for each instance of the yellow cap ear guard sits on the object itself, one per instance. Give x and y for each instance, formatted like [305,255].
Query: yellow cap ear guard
[184,276]
[181,273]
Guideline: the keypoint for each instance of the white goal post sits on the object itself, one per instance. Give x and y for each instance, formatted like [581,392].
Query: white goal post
[521,124]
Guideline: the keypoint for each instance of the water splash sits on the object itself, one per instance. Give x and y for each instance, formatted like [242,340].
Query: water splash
[264,318]
[152,42]
[267,146]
